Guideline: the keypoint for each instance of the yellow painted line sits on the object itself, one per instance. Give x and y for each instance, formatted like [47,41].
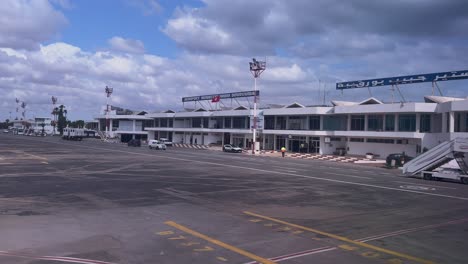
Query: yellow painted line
[219,243]
[344,239]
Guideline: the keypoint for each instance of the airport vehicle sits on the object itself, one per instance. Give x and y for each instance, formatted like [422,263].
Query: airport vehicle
[397,159]
[73,133]
[156,144]
[429,164]
[134,143]
[20,131]
[6,131]
[231,148]
[166,142]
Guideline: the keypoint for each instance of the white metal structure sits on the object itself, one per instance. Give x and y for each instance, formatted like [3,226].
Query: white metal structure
[256,67]
[428,164]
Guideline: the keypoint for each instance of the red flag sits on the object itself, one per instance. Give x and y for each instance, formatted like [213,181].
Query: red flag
[215,99]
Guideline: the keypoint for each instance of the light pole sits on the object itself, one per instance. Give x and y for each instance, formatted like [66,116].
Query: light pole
[54,112]
[109,91]
[256,68]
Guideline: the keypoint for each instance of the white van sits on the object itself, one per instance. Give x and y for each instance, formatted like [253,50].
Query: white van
[155,144]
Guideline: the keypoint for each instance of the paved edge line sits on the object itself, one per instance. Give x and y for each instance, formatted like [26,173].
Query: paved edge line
[219,243]
[344,239]
[263,170]
[54,258]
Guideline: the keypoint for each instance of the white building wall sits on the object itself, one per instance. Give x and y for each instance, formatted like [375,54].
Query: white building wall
[381,149]
[212,138]
[177,138]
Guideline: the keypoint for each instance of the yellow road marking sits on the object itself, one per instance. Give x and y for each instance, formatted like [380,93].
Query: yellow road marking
[219,243]
[165,233]
[345,239]
[206,248]
[176,238]
[188,244]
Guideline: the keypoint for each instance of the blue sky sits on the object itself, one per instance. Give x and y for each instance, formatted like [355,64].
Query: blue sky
[154,52]
[92,23]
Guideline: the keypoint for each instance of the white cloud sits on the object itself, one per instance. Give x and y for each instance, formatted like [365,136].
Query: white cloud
[126,45]
[26,23]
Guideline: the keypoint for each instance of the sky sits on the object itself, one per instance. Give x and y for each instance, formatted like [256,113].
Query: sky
[154,52]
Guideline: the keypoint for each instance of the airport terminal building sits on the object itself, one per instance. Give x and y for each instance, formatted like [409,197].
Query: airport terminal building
[352,128]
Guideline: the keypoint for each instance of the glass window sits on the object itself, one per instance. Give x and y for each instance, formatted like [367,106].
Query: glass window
[156,122]
[381,140]
[281,122]
[390,122]
[196,122]
[374,122]
[331,123]
[163,122]
[227,122]
[356,140]
[205,122]
[297,122]
[425,123]
[407,122]
[171,122]
[357,122]
[269,122]
[314,123]
[239,122]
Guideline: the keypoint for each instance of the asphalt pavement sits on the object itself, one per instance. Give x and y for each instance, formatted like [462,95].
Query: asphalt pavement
[96,202]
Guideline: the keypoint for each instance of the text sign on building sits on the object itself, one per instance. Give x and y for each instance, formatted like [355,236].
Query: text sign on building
[408,79]
[221,96]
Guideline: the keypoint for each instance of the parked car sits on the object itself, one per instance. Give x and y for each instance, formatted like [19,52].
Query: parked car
[400,159]
[166,142]
[156,144]
[6,131]
[134,143]
[231,148]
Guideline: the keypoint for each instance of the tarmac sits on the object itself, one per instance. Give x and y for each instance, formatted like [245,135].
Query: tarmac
[95,202]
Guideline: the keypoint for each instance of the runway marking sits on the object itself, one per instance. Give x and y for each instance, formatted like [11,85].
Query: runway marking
[219,243]
[344,239]
[366,239]
[434,186]
[54,258]
[267,171]
[341,174]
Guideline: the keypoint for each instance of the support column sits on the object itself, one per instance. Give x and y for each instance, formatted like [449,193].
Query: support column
[134,125]
[263,142]
[444,122]
[321,122]
[274,141]
[366,122]
[396,122]
[222,138]
[451,116]
[418,122]
[348,123]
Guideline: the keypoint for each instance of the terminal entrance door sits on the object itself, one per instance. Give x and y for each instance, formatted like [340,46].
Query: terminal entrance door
[227,138]
[314,145]
[297,144]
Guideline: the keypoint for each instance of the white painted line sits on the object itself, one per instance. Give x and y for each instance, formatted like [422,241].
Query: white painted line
[428,185]
[270,171]
[341,174]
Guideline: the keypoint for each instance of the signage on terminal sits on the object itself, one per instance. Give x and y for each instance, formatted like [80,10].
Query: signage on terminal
[220,96]
[408,79]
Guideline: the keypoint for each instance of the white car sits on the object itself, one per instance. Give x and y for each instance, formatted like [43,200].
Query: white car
[5,131]
[156,144]
[231,148]
[166,142]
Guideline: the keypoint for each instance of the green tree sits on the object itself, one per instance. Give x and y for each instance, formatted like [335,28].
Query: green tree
[62,118]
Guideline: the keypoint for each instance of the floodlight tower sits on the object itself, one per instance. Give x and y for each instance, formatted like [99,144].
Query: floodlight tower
[109,91]
[17,107]
[256,68]
[54,113]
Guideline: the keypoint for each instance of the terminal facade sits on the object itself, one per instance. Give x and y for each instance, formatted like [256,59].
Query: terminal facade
[352,128]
